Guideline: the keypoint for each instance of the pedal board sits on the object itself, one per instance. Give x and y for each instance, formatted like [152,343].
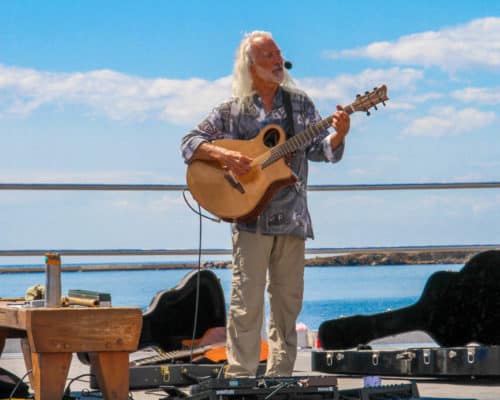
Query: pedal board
[154,376]
[296,388]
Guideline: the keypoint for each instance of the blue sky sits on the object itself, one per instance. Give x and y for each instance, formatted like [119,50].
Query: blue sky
[102,92]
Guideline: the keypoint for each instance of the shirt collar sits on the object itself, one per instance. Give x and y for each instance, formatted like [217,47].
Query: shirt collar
[277,101]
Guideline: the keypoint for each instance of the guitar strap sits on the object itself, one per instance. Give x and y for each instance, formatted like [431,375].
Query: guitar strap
[287,103]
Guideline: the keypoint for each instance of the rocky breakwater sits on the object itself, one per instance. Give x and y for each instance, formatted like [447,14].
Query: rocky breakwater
[390,258]
[380,258]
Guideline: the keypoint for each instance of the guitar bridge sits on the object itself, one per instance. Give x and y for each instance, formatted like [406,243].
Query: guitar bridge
[234,182]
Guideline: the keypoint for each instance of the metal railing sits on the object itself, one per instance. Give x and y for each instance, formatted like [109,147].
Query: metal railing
[213,252]
[313,188]
[177,252]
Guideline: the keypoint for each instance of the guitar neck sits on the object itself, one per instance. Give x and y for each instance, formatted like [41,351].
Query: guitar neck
[362,103]
[302,139]
[395,322]
[360,329]
[174,355]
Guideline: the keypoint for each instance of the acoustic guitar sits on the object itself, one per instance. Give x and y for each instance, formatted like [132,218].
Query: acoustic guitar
[455,308]
[242,198]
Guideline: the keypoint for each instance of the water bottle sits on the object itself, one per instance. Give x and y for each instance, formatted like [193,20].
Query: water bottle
[52,280]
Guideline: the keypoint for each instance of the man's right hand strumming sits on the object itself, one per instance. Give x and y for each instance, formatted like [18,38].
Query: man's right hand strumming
[236,162]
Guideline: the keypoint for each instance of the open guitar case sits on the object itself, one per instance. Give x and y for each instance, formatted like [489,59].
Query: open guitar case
[460,311]
[169,320]
[170,317]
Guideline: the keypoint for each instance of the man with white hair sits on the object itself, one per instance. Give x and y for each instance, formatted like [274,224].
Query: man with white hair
[270,249]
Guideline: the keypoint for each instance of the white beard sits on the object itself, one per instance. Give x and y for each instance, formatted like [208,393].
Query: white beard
[269,76]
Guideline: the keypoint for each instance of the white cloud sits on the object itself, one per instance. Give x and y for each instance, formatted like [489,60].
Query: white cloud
[410,101]
[196,99]
[425,97]
[116,95]
[460,47]
[486,206]
[486,96]
[149,206]
[166,203]
[364,201]
[443,121]
[344,87]
[85,177]
[124,97]
[459,205]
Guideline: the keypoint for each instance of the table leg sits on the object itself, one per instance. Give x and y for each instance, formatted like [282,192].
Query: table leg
[112,373]
[49,372]
[3,336]
[26,349]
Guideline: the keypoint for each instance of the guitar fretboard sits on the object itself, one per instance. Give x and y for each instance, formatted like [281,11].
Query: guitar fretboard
[298,141]
[169,356]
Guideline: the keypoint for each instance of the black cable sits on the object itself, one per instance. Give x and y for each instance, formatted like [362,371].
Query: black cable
[67,391]
[156,392]
[218,220]
[18,384]
[85,392]
[281,386]
[197,297]
[200,235]
[221,370]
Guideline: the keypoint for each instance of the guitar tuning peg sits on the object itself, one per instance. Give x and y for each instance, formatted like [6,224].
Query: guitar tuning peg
[375,89]
[383,103]
[375,107]
[358,95]
[368,113]
[367,92]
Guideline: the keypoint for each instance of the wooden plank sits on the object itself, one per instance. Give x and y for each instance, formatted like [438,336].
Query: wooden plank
[12,316]
[84,329]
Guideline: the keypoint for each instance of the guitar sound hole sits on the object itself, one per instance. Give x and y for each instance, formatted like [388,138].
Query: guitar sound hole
[271,138]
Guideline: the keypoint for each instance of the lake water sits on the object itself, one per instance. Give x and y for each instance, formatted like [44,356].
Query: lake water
[329,292]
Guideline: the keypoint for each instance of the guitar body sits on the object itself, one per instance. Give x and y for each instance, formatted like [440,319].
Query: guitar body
[455,308]
[219,354]
[244,199]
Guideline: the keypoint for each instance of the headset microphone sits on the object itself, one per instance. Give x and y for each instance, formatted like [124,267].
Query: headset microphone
[288,65]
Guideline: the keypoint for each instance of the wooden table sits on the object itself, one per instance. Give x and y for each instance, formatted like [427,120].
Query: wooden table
[51,335]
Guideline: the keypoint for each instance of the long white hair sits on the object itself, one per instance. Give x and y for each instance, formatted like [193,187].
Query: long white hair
[242,80]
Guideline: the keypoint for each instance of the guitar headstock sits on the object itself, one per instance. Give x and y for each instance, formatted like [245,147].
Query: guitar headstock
[368,100]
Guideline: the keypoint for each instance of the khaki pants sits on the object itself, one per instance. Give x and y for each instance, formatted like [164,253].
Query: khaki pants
[281,260]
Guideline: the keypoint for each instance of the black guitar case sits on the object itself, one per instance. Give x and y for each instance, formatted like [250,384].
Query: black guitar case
[455,308]
[464,362]
[169,318]
[459,310]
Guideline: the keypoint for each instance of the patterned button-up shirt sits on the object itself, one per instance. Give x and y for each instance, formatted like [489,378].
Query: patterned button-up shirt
[287,213]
